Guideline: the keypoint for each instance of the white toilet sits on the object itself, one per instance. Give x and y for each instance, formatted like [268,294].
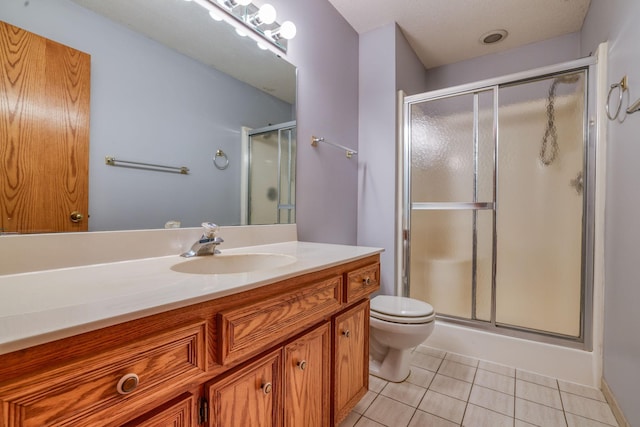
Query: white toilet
[397,325]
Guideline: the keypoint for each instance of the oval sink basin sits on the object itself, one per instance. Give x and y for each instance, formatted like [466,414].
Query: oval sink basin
[230,264]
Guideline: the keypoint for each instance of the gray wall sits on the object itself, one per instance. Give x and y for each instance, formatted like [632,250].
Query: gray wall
[617,21]
[387,64]
[325,50]
[152,104]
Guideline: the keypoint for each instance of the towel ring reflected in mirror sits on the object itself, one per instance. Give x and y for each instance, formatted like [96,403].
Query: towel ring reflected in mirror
[220,160]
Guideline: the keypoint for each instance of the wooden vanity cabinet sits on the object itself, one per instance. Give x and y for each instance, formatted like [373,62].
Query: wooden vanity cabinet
[289,386]
[307,362]
[351,359]
[249,396]
[292,353]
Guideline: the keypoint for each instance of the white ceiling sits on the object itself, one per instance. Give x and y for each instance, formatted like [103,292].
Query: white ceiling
[446,31]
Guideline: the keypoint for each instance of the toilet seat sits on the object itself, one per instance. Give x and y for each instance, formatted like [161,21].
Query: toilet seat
[401,310]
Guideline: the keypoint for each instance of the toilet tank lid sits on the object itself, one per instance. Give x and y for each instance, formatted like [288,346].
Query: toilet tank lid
[400,306]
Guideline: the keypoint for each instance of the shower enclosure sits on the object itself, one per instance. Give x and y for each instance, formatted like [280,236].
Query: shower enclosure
[498,202]
[270,174]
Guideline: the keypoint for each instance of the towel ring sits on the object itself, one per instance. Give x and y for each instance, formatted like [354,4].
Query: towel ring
[622,88]
[224,163]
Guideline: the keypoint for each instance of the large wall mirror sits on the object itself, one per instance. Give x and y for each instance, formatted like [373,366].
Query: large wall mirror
[170,86]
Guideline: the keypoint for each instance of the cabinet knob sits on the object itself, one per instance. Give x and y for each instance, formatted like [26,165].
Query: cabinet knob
[366,281]
[346,333]
[266,388]
[302,365]
[127,383]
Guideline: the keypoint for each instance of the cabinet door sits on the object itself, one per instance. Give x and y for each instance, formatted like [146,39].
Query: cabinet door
[306,379]
[250,396]
[351,362]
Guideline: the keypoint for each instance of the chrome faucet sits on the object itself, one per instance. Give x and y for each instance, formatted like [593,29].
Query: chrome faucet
[207,244]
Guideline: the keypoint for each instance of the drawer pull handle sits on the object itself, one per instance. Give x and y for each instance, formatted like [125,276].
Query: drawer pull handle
[302,365]
[366,281]
[127,383]
[266,388]
[346,333]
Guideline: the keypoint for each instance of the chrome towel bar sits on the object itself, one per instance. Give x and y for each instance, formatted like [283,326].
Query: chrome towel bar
[112,161]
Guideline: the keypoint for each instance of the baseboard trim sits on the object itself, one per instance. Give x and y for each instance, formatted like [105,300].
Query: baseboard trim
[613,403]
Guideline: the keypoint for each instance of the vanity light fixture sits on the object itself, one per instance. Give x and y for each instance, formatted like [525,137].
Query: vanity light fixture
[249,19]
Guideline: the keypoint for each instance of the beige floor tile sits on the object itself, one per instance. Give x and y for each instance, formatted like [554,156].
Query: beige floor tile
[366,422]
[577,421]
[350,420]
[440,354]
[443,406]
[538,393]
[451,387]
[425,361]
[537,414]
[457,370]
[404,392]
[364,403]
[536,378]
[476,416]
[520,423]
[423,419]
[495,381]
[581,390]
[376,384]
[465,360]
[493,400]
[588,408]
[498,369]
[420,377]
[389,412]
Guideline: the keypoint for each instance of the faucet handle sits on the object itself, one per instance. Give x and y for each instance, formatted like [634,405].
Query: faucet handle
[210,229]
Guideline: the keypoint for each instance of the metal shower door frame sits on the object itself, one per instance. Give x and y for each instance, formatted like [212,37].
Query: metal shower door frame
[584,341]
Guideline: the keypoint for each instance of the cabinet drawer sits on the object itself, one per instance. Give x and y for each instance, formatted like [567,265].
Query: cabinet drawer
[85,393]
[362,282]
[254,327]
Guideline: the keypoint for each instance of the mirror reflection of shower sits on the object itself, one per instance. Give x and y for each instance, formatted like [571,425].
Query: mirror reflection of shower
[269,171]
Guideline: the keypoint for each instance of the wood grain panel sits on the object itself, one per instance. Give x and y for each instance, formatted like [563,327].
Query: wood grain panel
[351,359]
[178,412]
[362,282]
[251,328]
[240,399]
[44,133]
[306,391]
[77,394]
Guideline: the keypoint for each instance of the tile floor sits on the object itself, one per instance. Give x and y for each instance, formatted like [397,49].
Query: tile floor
[448,390]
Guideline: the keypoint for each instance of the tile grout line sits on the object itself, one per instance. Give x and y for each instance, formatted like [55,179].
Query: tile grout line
[564,413]
[515,384]
[466,406]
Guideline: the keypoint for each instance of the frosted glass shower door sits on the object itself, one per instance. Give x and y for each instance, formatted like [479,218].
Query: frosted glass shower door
[450,183]
[539,221]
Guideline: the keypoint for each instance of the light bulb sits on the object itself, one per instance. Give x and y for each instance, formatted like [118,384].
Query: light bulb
[241,32]
[262,46]
[214,15]
[288,30]
[267,14]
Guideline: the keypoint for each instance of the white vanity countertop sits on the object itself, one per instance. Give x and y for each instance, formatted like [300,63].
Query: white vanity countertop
[43,306]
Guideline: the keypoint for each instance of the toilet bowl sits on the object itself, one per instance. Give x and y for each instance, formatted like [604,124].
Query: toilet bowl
[397,324]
